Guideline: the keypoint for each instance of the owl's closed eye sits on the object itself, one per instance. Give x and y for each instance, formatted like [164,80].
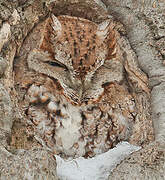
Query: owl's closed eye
[72,50]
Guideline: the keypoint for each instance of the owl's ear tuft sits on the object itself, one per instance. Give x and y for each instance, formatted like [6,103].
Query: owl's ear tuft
[56,25]
[102,29]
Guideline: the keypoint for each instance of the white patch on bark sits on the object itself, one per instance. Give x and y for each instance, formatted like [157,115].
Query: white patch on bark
[96,168]
[4,34]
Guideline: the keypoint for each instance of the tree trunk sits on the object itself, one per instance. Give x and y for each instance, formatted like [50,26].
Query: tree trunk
[144,23]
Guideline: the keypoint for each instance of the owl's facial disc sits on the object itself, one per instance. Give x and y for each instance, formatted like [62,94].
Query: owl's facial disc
[79,44]
[77,48]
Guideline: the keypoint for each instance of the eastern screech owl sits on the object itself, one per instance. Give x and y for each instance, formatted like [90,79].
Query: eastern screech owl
[80,103]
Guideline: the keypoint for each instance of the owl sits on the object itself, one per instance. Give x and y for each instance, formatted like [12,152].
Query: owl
[78,79]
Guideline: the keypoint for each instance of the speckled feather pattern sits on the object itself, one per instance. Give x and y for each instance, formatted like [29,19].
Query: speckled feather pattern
[77,97]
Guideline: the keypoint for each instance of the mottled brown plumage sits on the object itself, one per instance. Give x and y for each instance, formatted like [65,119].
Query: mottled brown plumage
[77,96]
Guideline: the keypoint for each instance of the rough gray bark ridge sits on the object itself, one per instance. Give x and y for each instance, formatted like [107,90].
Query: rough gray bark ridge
[16,20]
[144,23]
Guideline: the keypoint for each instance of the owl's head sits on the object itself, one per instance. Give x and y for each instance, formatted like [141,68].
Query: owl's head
[71,51]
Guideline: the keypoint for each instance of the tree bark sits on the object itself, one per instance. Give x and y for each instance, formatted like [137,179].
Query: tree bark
[144,21]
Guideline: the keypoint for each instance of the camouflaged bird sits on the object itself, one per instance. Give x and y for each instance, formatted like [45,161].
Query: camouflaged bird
[78,98]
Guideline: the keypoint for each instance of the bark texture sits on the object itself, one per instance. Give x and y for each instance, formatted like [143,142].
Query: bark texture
[144,21]
[23,156]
